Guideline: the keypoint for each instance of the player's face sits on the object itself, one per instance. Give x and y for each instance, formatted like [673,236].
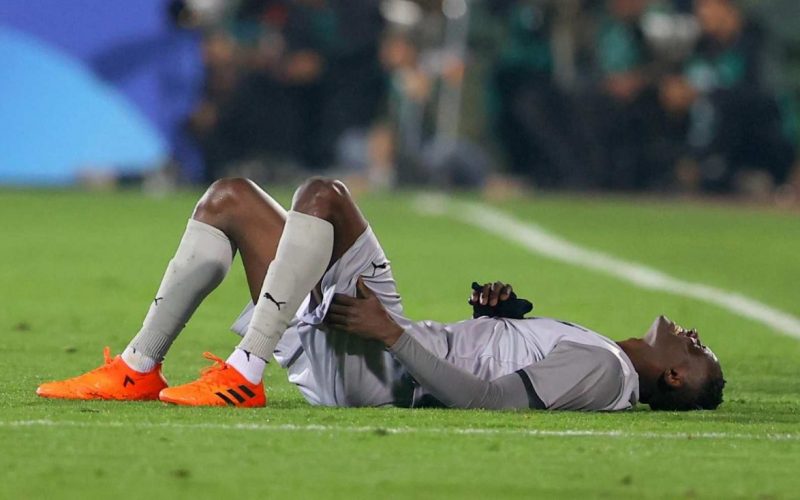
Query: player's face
[682,348]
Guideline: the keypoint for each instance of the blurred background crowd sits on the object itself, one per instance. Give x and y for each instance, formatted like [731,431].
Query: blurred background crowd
[647,95]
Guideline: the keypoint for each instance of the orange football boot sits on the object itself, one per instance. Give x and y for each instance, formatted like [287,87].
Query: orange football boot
[219,385]
[114,380]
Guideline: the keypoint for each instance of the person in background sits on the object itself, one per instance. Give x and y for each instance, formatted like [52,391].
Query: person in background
[735,121]
[286,80]
[531,117]
[622,109]
[339,84]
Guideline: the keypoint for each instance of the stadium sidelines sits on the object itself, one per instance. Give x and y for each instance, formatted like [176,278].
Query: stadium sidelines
[540,241]
[468,431]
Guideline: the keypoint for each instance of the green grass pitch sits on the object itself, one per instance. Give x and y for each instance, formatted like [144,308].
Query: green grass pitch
[79,269]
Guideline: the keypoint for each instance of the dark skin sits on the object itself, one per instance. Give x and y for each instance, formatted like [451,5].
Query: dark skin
[253,221]
[667,351]
[671,354]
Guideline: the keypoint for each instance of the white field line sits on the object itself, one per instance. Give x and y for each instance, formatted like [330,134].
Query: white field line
[540,241]
[444,431]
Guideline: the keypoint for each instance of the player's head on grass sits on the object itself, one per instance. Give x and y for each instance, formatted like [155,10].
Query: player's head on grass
[676,371]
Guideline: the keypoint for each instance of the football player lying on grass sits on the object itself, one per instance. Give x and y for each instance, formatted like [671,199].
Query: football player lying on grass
[325,306]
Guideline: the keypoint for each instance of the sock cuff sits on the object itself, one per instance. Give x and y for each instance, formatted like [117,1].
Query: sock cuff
[196,225]
[258,345]
[152,344]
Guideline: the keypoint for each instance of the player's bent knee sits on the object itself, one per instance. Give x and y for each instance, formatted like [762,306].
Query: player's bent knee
[223,198]
[320,197]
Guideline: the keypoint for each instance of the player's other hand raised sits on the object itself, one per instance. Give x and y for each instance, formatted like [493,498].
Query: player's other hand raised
[363,315]
[497,300]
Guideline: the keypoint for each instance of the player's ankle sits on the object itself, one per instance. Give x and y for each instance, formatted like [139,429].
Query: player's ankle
[138,361]
[250,366]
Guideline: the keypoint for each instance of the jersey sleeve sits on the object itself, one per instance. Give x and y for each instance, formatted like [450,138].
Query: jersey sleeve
[576,376]
[455,387]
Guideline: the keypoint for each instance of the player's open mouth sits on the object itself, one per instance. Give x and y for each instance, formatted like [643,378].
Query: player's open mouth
[690,334]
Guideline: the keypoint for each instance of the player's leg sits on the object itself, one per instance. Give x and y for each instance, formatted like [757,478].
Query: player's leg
[336,369]
[215,231]
[250,218]
[254,222]
[323,223]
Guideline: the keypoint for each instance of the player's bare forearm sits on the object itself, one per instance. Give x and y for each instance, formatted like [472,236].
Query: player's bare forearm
[363,315]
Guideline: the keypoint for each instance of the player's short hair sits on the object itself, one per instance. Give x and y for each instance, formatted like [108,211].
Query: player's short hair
[707,397]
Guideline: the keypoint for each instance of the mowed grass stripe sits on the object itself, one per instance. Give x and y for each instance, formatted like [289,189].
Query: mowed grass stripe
[538,240]
[458,431]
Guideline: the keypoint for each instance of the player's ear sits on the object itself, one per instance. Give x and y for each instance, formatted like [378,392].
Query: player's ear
[672,378]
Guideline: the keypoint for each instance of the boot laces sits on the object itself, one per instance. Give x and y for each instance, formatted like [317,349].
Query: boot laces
[107,361]
[218,366]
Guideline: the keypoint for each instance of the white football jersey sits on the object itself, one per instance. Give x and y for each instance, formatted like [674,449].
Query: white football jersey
[490,348]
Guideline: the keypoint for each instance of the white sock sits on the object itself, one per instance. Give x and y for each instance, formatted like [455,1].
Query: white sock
[249,365]
[302,257]
[201,262]
[138,361]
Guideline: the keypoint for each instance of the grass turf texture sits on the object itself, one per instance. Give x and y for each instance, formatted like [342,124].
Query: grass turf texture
[80,269]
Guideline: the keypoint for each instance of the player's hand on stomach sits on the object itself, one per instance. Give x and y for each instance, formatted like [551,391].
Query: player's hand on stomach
[363,315]
[490,294]
[497,300]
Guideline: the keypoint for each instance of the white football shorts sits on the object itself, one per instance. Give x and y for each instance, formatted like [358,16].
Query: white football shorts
[333,368]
